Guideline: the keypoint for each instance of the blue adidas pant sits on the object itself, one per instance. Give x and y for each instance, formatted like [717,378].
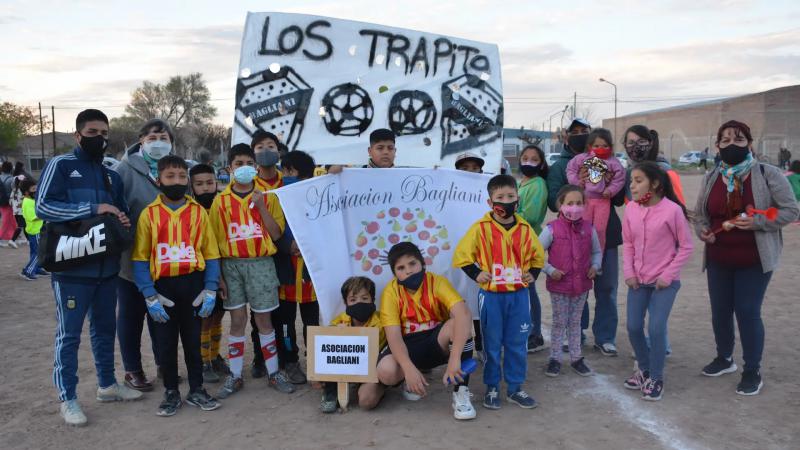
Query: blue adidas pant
[505,323]
[32,267]
[73,302]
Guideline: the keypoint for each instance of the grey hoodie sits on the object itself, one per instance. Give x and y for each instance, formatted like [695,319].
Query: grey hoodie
[140,191]
[770,188]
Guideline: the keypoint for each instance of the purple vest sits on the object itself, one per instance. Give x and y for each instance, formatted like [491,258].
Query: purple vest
[571,253]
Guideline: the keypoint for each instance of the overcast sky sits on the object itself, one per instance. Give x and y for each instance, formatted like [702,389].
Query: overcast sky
[78,54]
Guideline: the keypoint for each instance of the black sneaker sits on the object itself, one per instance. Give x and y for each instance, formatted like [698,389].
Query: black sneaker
[209,375]
[535,343]
[719,366]
[751,383]
[652,390]
[220,365]
[553,368]
[329,403]
[170,405]
[581,368]
[258,370]
[202,400]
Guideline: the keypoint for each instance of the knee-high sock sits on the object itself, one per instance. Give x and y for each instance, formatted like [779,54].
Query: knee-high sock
[466,354]
[205,345]
[216,336]
[236,355]
[269,350]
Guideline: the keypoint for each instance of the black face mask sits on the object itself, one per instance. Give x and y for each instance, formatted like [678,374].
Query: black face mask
[530,171]
[504,209]
[205,199]
[638,152]
[95,146]
[413,282]
[174,192]
[733,154]
[360,311]
[577,142]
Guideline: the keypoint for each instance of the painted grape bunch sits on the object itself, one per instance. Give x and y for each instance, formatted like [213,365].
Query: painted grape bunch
[390,227]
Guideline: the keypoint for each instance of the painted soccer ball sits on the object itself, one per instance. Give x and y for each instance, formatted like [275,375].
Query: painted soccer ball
[348,110]
[411,112]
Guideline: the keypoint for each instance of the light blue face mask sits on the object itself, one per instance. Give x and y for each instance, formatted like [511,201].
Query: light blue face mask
[156,149]
[244,174]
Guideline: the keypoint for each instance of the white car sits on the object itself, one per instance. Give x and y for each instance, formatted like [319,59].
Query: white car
[110,162]
[690,158]
[623,159]
[551,158]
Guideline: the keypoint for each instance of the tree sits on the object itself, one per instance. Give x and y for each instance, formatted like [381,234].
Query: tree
[16,121]
[182,100]
[207,137]
[123,132]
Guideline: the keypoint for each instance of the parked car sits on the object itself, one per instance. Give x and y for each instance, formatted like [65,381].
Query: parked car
[690,158]
[551,158]
[623,159]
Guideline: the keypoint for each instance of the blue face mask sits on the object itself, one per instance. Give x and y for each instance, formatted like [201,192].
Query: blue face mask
[244,174]
[288,179]
[224,179]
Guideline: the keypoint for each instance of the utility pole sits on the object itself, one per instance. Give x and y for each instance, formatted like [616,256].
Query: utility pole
[575,105]
[603,80]
[53,118]
[41,131]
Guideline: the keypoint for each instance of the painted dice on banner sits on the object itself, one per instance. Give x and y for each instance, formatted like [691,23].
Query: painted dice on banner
[472,114]
[376,237]
[275,102]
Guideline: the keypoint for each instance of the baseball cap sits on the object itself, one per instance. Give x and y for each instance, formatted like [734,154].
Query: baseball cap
[579,121]
[468,156]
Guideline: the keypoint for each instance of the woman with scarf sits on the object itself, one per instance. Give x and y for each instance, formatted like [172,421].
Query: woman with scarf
[139,171]
[742,250]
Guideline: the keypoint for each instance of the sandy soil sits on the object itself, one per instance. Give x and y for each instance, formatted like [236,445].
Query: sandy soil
[574,412]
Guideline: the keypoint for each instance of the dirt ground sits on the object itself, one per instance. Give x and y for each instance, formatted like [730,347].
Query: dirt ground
[574,412]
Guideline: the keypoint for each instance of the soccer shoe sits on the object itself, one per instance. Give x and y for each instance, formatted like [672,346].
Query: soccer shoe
[170,405]
[209,374]
[280,383]
[72,413]
[329,404]
[295,373]
[462,406]
[117,393]
[202,400]
[231,386]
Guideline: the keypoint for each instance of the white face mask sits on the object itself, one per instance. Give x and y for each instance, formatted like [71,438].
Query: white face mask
[156,149]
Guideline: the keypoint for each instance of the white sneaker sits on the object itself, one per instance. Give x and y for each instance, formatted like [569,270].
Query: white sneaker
[462,406]
[22,241]
[72,413]
[117,393]
[410,396]
[12,244]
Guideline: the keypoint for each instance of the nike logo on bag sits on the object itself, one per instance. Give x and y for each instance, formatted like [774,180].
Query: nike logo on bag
[75,174]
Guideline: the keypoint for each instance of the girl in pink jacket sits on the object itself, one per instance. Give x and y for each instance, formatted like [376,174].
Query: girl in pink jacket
[656,244]
[603,179]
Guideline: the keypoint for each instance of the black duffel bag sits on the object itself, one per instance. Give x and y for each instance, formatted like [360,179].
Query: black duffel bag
[69,245]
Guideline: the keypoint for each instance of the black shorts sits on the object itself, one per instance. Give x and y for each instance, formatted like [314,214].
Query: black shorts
[423,349]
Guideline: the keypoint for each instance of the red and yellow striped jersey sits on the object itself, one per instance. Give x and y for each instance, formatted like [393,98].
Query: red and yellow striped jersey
[174,242]
[239,229]
[505,254]
[301,291]
[423,310]
[269,185]
[374,321]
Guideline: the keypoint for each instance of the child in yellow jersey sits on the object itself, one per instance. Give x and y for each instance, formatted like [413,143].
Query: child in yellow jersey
[204,188]
[503,255]
[176,268]
[427,324]
[296,288]
[245,223]
[358,294]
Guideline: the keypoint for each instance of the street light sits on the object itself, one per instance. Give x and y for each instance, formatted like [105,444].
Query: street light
[603,80]
[560,111]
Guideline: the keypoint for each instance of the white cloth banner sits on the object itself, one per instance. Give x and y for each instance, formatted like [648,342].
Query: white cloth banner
[345,224]
[323,84]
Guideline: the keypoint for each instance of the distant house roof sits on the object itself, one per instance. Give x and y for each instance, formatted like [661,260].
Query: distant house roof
[704,102]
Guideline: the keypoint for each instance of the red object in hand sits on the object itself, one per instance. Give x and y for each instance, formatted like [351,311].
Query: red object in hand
[770,213]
